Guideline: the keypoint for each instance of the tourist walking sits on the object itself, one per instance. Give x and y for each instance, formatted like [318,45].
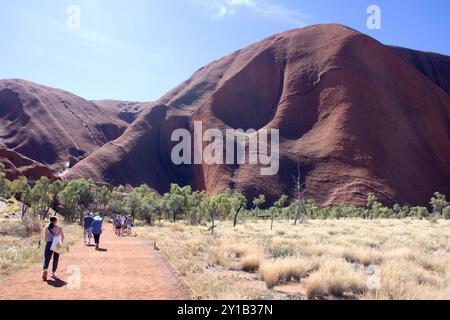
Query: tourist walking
[54,236]
[97,230]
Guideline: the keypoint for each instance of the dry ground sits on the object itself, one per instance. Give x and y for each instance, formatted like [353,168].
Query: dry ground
[332,259]
[128,268]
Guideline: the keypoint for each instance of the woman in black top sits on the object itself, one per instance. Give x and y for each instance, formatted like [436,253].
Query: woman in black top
[52,231]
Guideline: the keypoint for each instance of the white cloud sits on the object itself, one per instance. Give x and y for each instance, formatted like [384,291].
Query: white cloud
[221,9]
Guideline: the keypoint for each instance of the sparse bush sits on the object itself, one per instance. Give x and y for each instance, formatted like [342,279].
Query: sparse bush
[446,213]
[75,198]
[4,183]
[335,277]
[285,270]
[419,212]
[26,227]
[31,225]
[250,263]
[438,203]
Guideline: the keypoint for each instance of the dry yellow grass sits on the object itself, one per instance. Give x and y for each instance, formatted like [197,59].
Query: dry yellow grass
[358,259]
[286,270]
[251,262]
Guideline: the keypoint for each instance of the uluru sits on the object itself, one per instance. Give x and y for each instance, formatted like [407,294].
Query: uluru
[354,116]
[54,127]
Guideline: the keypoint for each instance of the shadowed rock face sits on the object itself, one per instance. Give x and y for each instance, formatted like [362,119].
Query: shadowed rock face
[127,111]
[436,67]
[50,126]
[356,115]
[17,165]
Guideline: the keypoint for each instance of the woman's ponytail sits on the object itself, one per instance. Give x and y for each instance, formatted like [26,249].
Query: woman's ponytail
[52,223]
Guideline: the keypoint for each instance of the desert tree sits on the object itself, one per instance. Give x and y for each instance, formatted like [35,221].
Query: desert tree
[20,189]
[75,199]
[212,206]
[310,207]
[177,201]
[276,209]
[55,188]
[101,197]
[194,211]
[117,200]
[134,199]
[41,198]
[419,212]
[300,188]
[258,202]
[4,185]
[231,203]
[446,213]
[43,195]
[150,205]
[438,203]
[373,206]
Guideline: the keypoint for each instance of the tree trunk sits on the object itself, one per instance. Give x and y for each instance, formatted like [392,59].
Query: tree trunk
[236,216]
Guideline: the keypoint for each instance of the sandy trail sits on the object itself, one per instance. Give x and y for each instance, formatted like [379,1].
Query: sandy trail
[130,269]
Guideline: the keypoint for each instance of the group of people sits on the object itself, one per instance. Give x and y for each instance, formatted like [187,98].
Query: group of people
[92,228]
[123,224]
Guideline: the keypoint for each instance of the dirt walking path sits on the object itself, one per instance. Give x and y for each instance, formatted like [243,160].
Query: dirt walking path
[130,269]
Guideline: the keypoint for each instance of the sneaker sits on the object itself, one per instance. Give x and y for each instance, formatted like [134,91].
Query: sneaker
[54,276]
[44,275]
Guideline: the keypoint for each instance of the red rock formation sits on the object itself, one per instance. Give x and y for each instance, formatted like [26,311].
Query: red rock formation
[436,67]
[17,165]
[50,125]
[127,111]
[356,115]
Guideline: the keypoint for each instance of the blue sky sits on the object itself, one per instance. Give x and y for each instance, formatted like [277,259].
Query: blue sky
[140,49]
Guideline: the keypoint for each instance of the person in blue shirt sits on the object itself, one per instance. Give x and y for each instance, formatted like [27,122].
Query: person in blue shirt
[97,230]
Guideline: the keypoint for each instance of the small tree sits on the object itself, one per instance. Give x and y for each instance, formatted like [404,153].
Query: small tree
[446,213]
[213,205]
[149,205]
[4,187]
[419,212]
[75,198]
[300,187]
[41,198]
[438,203]
[55,188]
[373,206]
[134,200]
[117,200]
[101,197]
[177,201]
[258,202]
[276,209]
[20,189]
[194,212]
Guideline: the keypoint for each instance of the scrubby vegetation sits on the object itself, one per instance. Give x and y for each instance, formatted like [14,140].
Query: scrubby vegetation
[74,198]
[228,246]
[21,246]
[318,259]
